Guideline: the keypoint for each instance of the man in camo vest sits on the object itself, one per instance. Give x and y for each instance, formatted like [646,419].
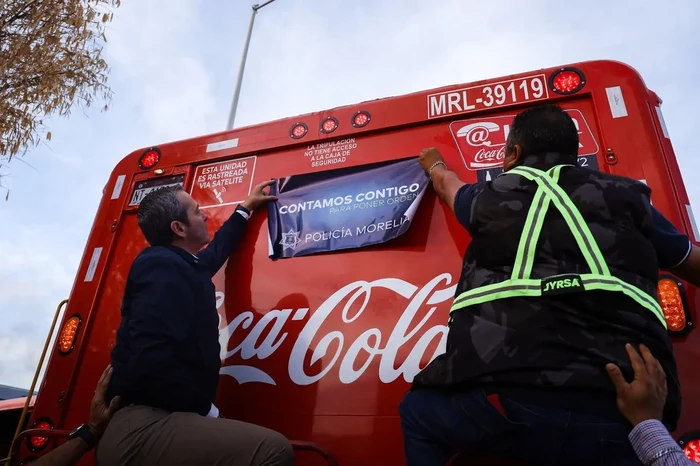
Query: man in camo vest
[560,274]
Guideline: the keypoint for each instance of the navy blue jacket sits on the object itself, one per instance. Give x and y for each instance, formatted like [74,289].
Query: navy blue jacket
[167,352]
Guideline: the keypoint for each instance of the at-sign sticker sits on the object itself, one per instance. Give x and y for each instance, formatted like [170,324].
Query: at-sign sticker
[481,142]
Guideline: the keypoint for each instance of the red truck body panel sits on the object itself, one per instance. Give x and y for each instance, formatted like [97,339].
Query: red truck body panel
[322,347]
[16,403]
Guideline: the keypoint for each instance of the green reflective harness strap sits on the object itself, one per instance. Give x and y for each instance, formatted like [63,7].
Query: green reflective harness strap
[586,243]
[505,289]
[520,284]
[533,288]
[611,283]
[525,257]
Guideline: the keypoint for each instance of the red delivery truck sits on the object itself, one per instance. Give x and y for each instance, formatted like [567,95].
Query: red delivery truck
[323,346]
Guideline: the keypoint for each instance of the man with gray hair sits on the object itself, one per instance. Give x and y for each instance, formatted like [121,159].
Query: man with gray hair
[166,359]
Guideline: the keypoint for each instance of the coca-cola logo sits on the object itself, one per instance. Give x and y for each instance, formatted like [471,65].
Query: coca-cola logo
[482,142]
[484,156]
[264,337]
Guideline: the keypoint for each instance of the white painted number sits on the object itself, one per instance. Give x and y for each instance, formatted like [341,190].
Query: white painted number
[524,87]
[500,92]
[512,91]
[537,88]
[511,88]
[532,88]
[489,93]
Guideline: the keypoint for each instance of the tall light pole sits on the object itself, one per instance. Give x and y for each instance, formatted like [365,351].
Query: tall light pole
[239,80]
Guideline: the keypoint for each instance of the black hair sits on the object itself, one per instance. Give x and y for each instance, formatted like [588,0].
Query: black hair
[543,128]
[157,211]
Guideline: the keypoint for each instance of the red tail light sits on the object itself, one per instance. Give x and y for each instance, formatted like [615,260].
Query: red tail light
[37,443]
[361,118]
[692,451]
[149,158]
[298,131]
[329,125]
[690,443]
[66,338]
[567,81]
[673,303]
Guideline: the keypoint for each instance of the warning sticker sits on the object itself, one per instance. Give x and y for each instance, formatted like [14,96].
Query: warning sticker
[223,183]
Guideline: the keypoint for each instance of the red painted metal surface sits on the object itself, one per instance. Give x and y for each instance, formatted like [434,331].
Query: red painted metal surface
[16,403]
[322,348]
[14,459]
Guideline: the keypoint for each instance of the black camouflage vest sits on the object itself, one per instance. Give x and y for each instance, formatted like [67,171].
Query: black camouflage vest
[556,341]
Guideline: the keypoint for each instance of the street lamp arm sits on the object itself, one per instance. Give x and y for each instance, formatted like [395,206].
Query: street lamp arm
[257,7]
[239,79]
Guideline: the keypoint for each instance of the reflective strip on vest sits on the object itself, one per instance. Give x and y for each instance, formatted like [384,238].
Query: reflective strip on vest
[521,285]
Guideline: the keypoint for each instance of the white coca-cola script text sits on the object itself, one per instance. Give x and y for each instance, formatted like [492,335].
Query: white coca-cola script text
[268,333]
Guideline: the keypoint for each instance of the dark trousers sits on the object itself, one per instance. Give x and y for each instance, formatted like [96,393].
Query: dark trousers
[534,428]
[144,436]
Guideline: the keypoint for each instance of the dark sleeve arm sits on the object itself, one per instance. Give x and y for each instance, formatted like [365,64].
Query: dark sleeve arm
[672,247]
[162,315]
[674,250]
[454,192]
[462,204]
[225,239]
[689,269]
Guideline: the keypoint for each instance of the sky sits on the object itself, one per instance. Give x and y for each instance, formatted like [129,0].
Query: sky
[173,69]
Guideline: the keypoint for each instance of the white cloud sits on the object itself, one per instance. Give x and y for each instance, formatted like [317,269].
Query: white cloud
[173,71]
[161,93]
[38,268]
[189,102]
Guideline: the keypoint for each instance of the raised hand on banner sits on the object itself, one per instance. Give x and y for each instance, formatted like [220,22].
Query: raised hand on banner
[258,196]
[430,158]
